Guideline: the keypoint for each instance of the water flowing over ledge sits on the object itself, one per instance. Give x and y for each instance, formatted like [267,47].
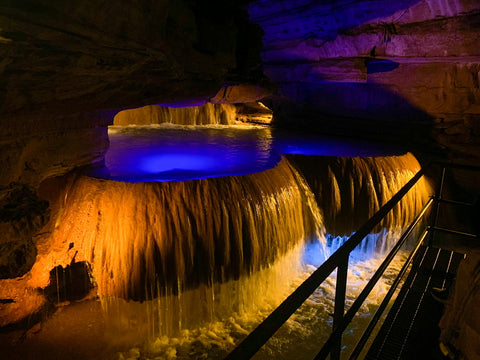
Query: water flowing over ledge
[349,190]
[147,239]
[169,258]
[207,114]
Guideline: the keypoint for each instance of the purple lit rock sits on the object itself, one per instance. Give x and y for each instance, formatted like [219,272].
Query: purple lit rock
[407,71]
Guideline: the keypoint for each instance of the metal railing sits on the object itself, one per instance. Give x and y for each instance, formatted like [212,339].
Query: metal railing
[439,200]
[339,261]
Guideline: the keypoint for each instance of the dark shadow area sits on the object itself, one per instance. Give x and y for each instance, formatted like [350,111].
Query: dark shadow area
[27,323]
[70,283]
[319,20]
[22,214]
[380,65]
[366,111]
[410,330]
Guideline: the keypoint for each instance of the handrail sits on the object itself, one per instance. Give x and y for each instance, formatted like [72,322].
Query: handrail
[381,308]
[439,192]
[454,202]
[369,286]
[454,232]
[339,259]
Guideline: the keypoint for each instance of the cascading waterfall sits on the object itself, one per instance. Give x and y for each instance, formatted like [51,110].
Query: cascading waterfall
[207,114]
[349,190]
[162,240]
[182,313]
[169,259]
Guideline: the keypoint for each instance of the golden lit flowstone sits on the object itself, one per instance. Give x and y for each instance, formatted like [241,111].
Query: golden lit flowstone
[147,239]
[164,240]
[350,190]
[206,114]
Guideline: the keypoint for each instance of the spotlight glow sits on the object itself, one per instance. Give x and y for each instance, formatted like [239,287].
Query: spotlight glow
[178,153]
[171,162]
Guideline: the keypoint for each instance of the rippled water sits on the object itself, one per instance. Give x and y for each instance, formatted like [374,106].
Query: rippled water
[177,153]
[301,336]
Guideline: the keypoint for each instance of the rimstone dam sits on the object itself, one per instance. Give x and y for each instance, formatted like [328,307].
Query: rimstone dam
[173,173]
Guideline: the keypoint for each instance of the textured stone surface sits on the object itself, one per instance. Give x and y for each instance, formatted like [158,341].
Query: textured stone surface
[325,20]
[243,93]
[31,159]
[254,112]
[62,57]
[404,71]
[22,214]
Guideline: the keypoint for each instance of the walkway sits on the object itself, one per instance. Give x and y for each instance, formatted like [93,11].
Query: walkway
[410,330]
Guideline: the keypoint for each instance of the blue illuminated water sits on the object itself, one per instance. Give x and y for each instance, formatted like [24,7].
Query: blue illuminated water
[178,153]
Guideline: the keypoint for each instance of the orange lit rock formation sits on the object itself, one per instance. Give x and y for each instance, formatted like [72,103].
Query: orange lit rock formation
[404,71]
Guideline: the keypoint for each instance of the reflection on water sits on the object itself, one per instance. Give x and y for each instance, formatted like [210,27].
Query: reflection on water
[165,153]
[194,264]
[173,152]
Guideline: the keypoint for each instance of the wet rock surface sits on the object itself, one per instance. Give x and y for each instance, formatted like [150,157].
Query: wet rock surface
[405,71]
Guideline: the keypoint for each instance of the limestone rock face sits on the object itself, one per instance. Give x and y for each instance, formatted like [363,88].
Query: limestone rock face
[37,148]
[22,214]
[254,112]
[66,57]
[406,70]
[66,69]
[243,93]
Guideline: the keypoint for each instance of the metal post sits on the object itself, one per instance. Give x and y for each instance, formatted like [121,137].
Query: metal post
[438,198]
[260,335]
[339,311]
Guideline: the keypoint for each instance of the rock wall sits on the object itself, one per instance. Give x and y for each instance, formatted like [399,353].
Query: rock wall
[66,69]
[405,71]
[34,148]
[69,57]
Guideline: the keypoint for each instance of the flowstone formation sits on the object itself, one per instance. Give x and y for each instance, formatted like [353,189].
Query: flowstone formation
[405,71]
[66,70]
